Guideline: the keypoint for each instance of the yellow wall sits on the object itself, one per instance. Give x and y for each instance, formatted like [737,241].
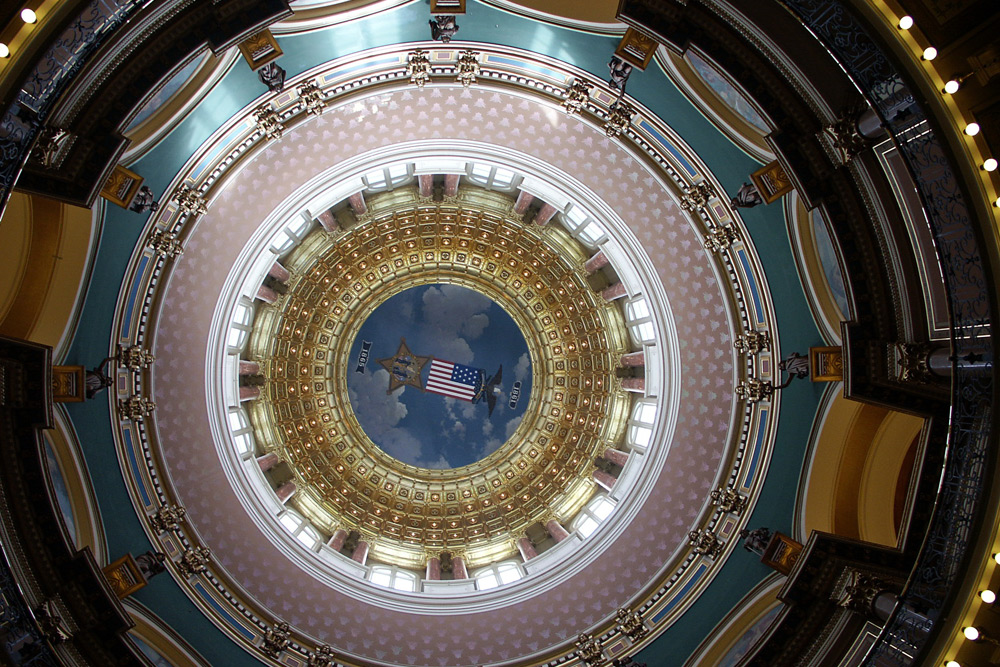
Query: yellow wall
[44,250]
[859,471]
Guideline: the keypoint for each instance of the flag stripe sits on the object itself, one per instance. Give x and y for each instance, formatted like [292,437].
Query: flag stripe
[446,378]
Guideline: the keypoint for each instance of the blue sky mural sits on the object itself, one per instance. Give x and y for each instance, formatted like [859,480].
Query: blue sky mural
[450,323]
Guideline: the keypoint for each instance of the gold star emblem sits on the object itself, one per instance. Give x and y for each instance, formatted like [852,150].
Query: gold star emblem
[404,368]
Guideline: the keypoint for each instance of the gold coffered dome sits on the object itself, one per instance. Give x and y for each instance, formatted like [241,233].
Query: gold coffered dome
[345,481]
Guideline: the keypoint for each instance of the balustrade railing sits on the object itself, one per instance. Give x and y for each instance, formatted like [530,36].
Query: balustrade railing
[963,478]
[24,117]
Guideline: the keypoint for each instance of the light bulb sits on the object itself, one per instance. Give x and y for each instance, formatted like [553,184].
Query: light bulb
[930,53]
[28,16]
[952,87]
[971,633]
[4,51]
[997,202]
[988,596]
[906,22]
[996,556]
[972,129]
[990,165]
[952,663]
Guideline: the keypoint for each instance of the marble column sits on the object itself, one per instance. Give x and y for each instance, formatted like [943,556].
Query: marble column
[458,570]
[637,385]
[523,202]
[279,273]
[616,456]
[612,292]
[426,183]
[267,461]
[450,185]
[597,262]
[633,359]
[267,294]
[606,480]
[360,552]
[328,221]
[249,367]
[433,571]
[249,393]
[556,530]
[337,540]
[285,492]
[526,548]
[545,214]
[358,205]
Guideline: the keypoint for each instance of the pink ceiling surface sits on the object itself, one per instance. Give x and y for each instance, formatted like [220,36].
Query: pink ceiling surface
[625,568]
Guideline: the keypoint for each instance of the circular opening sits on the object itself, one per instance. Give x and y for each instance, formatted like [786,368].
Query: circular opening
[440,376]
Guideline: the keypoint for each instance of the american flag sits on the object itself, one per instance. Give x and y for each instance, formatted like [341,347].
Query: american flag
[453,380]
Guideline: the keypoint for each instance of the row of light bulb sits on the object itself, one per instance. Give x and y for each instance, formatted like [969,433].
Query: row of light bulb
[28,16]
[971,632]
[951,87]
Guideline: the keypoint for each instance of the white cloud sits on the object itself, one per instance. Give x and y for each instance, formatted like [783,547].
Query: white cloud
[455,315]
[490,446]
[512,426]
[379,413]
[522,368]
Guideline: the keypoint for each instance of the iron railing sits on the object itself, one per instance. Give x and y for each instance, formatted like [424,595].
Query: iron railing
[24,117]
[963,477]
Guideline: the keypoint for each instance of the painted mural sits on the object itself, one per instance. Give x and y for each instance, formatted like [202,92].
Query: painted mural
[439,377]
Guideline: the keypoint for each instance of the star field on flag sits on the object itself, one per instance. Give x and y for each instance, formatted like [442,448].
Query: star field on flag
[455,380]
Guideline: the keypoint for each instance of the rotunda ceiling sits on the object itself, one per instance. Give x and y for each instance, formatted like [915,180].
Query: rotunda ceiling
[698,300]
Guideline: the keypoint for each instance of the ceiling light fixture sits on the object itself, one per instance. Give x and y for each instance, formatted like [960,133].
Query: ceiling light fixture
[930,53]
[28,16]
[905,22]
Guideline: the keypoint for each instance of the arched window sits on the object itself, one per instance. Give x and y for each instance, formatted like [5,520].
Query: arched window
[242,432]
[388,178]
[639,320]
[290,236]
[239,328]
[393,577]
[583,228]
[592,514]
[640,424]
[489,177]
[300,529]
[498,574]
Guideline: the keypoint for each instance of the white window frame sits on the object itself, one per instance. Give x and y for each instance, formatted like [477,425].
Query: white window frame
[241,324]
[490,182]
[583,227]
[294,233]
[497,571]
[389,181]
[640,327]
[638,425]
[303,527]
[242,433]
[588,514]
[394,574]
